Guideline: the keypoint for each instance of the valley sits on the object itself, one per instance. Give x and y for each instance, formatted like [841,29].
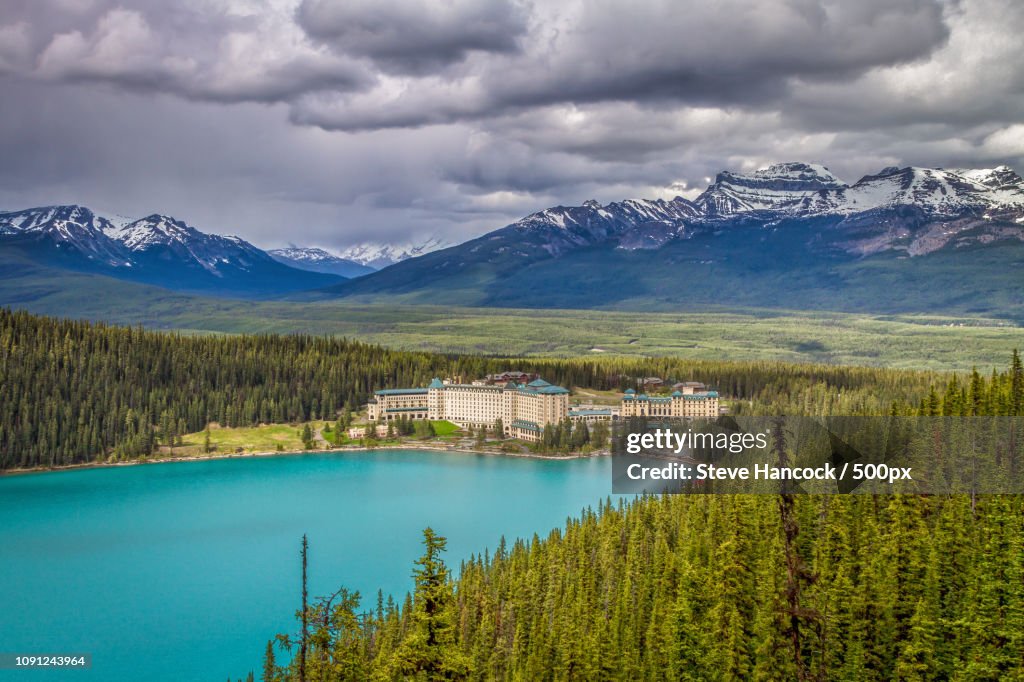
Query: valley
[943,342]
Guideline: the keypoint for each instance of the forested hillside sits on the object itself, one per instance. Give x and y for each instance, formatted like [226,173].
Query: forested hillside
[74,392]
[710,587]
[706,587]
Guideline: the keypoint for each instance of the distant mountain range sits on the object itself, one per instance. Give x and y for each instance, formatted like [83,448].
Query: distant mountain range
[358,260]
[167,252]
[789,236]
[379,256]
[318,260]
[792,235]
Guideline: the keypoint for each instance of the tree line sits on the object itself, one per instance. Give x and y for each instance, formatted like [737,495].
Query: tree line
[73,392]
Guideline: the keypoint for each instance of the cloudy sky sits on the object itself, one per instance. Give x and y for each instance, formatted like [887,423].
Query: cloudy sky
[331,122]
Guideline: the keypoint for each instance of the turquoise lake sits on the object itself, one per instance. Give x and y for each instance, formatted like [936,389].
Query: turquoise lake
[183,571]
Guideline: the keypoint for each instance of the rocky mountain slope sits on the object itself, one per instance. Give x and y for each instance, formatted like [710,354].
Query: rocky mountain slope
[157,249]
[791,229]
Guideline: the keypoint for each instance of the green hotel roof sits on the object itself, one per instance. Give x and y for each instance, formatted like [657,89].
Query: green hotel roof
[547,390]
[677,394]
[537,387]
[525,425]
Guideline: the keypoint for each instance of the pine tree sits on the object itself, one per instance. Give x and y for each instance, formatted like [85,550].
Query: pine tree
[430,647]
[1016,385]
[270,673]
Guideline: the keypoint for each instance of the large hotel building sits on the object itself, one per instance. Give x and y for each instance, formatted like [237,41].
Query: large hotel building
[524,409]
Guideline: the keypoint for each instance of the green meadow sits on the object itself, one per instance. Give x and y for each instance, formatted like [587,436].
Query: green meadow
[894,340]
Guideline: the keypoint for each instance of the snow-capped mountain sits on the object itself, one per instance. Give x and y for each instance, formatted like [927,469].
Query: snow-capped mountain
[319,260]
[377,256]
[791,187]
[633,223]
[800,189]
[890,205]
[70,229]
[771,237]
[157,249]
[171,239]
[797,225]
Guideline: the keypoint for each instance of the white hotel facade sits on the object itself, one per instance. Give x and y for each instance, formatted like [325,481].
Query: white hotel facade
[686,402]
[524,409]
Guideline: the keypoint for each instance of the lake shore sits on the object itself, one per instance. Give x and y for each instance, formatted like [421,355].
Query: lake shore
[274,453]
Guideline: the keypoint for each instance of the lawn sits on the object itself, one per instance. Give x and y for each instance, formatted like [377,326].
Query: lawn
[267,438]
[262,438]
[444,428]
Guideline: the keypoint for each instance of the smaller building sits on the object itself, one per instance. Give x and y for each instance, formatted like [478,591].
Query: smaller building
[512,375]
[401,402]
[592,415]
[693,386]
[357,432]
[682,403]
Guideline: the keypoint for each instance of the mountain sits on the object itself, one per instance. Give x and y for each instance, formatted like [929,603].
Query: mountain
[792,235]
[318,260]
[157,249]
[793,188]
[378,256]
[71,231]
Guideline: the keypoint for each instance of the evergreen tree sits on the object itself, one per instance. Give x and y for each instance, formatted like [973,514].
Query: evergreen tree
[430,647]
[1016,385]
[270,672]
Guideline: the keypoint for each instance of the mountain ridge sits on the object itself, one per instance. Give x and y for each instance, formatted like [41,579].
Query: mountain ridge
[789,230]
[156,249]
[812,224]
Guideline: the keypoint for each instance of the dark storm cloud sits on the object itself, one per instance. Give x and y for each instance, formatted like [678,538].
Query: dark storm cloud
[414,36]
[724,53]
[331,122]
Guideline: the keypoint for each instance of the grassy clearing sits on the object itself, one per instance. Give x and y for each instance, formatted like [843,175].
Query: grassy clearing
[279,438]
[592,396]
[249,439]
[444,428]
